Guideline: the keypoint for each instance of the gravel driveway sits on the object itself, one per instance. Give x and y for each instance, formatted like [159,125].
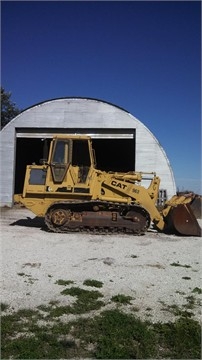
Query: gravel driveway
[158,271]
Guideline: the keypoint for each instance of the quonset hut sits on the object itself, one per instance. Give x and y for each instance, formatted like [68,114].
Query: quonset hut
[121,141]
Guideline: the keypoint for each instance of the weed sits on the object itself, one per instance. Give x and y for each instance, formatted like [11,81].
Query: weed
[95,283]
[174,309]
[197,290]
[180,292]
[86,300]
[191,301]
[121,299]
[178,264]
[75,291]
[177,310]
[4,306]
[30,280]
[135,308]
[64,282]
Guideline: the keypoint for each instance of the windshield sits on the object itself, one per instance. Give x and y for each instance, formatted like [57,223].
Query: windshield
[61,152]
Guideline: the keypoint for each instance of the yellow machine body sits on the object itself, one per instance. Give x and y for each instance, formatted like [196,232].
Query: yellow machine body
[72,194]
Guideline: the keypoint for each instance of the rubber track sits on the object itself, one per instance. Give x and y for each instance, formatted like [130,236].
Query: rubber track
[119,207]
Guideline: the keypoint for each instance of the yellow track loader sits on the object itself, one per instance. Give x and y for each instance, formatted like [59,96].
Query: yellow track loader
[73,195]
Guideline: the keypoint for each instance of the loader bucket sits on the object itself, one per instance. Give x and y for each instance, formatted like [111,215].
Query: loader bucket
[182,221]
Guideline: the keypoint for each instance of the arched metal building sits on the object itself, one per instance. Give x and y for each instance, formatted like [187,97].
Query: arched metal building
[121,142]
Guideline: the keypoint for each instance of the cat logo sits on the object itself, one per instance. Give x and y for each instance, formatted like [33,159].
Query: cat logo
[119,185]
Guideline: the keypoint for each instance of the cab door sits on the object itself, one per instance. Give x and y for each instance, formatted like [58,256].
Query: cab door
[61,159]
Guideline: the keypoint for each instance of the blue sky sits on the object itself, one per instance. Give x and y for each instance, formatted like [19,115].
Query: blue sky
[143,56]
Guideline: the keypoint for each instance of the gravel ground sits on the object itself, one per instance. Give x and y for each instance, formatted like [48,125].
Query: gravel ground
[139,266]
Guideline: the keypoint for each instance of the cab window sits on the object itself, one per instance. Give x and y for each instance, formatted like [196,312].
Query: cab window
[61,152]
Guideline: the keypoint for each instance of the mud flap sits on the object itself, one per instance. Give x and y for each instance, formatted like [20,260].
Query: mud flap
[181,220]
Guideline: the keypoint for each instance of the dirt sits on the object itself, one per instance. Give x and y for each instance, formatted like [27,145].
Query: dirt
[158,271]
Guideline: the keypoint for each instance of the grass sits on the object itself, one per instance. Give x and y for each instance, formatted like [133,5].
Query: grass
[197,290]
[121,336]
[94,283]
[121,299]
[64,282]
[45,333]
[4,306]
[111,335]
[86,300]
[179,340]
[183,310]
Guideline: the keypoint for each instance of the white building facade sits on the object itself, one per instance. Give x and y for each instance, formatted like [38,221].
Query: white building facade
[121,141]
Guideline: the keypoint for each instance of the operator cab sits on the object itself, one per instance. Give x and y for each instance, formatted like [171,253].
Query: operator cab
[75,152]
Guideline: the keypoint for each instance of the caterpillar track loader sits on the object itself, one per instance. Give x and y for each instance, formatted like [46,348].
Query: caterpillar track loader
[73,195]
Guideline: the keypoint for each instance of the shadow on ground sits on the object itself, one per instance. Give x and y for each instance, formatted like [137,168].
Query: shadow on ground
[36,222]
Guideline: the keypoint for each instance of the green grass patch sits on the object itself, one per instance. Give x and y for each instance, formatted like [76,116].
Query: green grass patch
[111,335]
[21,274]
[197,290]
[179,340]
[86,300]
[121,299]
[4,307]
[93,283]
[123,336]
[64,282]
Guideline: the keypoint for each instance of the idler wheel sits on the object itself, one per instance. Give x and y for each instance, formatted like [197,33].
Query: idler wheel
[59,217]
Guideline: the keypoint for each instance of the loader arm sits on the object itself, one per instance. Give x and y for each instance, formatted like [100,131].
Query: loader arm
[126,186]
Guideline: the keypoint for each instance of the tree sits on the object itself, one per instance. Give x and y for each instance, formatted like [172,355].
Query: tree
[8,108]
